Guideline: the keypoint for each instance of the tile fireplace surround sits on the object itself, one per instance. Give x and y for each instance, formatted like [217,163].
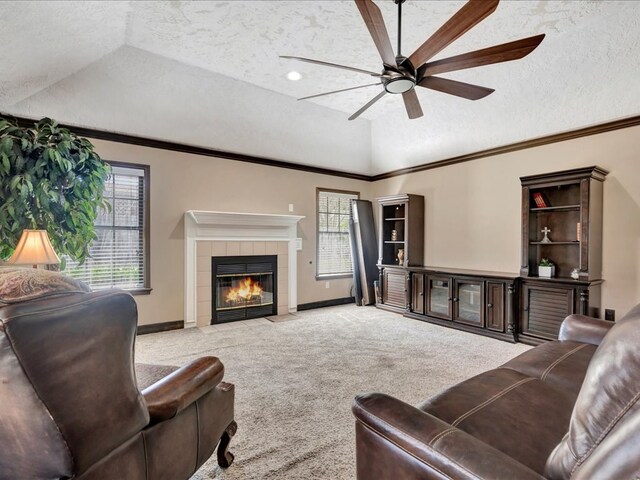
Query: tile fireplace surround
[218,234]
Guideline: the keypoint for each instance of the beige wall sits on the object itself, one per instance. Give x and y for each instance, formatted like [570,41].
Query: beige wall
[472,210]
[181,182]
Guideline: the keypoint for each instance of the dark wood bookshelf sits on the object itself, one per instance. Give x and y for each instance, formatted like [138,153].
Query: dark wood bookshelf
[404,214]
[573,216]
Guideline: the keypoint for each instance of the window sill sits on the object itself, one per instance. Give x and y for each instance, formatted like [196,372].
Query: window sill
[333,276]
[139,291]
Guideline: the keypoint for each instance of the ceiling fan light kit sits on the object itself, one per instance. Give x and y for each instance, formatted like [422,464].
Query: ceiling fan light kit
[400,75]
[398,84]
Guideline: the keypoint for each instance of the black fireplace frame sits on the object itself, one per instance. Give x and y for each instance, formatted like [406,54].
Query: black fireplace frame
[247,260]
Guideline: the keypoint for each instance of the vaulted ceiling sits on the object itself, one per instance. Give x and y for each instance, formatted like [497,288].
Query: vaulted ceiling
[208,73]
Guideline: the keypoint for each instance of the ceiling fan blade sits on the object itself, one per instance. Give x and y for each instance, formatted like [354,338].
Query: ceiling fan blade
[338,91]
[372,17]
[467,17]
[335,65]
[412,104]
[496,54]
[453,87]
[367,105]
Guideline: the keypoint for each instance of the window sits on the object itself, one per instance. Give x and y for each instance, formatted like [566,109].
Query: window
[334,250]
[119,255]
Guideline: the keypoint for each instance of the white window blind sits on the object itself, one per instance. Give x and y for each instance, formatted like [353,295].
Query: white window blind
[117,255]
[334,251]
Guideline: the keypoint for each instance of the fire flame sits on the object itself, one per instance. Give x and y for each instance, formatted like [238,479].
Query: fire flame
[247,289]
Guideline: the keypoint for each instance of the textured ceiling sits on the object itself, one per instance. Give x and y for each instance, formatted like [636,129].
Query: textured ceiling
[584,72]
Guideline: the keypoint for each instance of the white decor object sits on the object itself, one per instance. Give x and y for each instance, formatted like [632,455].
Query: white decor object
[546,272]
[231,226]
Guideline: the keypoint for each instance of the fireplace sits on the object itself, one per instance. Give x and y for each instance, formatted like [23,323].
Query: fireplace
[243,287]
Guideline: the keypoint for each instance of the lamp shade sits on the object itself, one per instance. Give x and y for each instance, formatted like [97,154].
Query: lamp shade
[34,248]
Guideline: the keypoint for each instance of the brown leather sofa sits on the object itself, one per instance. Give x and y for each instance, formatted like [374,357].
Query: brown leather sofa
[74,407]
[565,409]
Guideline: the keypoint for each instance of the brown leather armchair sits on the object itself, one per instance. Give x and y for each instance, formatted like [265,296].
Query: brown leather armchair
[74,406]
[568,409]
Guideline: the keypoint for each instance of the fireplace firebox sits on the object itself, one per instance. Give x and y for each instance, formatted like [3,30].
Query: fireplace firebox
[243,287]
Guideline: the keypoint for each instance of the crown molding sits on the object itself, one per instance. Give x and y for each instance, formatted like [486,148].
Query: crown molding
[240,157]
[514,147]
[192,149]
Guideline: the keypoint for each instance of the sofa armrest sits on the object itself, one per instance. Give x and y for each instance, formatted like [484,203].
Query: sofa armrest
[169,396]
[583,329]
[397,440]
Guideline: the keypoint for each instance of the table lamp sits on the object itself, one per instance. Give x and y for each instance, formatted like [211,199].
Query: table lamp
[34,248]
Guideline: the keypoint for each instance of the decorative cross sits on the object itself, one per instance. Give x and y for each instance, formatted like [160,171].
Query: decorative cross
[546,231]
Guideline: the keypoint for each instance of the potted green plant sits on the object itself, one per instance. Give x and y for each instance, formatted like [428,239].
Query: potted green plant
[50,179]
[546,268]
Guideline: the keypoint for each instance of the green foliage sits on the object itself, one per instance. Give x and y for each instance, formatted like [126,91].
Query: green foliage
[545,262]
[50,179]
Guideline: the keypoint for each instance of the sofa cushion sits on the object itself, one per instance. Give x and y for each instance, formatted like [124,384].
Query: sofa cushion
[519,415]
[22,284]
[562,364]
[608,404]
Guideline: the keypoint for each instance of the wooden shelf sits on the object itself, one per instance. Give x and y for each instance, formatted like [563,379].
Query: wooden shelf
[396,219]
[554,279]
[573,242]
[561,208]
[394,241]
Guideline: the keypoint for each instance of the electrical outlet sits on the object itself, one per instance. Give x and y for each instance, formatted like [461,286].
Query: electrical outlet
[327,284]
[291,207]
[610,314]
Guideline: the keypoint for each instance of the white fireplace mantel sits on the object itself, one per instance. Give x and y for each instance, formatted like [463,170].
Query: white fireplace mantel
[230,226]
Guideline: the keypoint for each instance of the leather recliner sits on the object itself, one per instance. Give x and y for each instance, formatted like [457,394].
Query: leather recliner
[567,409]
[72,407]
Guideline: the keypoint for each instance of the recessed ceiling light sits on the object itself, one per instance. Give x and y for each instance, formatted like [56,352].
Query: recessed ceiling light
[294,76]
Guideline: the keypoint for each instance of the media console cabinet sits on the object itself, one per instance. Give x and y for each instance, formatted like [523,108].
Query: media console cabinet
[561,223]
[499,305]
[469,300]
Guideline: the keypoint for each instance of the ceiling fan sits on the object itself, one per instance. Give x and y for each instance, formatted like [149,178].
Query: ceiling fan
[402,74]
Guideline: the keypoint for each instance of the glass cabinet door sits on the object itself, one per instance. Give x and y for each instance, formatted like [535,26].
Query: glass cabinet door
[439,297]
[468,302]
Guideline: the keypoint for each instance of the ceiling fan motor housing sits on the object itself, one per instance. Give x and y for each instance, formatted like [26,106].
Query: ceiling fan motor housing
[399,79]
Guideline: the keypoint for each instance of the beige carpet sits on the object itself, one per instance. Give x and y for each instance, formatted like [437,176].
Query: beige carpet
[295,380]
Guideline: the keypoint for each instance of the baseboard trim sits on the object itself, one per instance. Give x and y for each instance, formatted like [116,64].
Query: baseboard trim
[160,327]
[326,303]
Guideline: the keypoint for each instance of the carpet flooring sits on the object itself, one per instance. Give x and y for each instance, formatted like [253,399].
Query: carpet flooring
[295,380]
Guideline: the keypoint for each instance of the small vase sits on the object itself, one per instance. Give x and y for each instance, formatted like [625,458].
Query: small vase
[394,235]
[400,256]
